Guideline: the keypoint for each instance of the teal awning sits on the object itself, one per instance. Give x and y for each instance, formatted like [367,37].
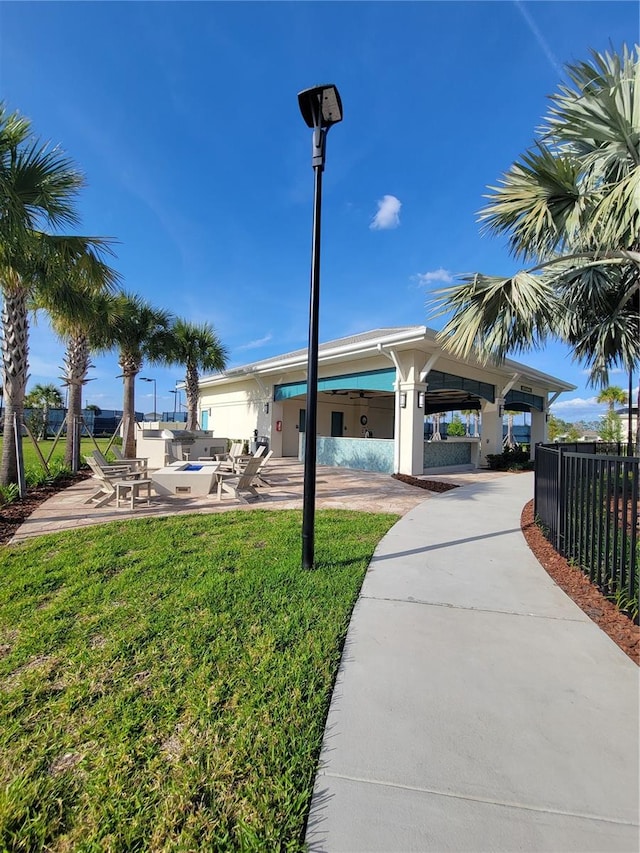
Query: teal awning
[521,401]
[370,380]
[439,381]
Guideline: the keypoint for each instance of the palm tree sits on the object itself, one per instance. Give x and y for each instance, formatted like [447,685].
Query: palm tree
[83,330]
[467,420]
[38,188]
[140,332]
[569,207]
[44,397]
[199,348]
[611,396]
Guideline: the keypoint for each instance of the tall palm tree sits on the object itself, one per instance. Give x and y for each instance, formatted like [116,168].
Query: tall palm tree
[197,347]
[83,329]
[612,395]
[140,332]
[569,207]
[44,397]
[38,189]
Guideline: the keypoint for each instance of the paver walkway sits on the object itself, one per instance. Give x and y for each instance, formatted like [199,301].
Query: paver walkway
[337,488]
[477,708]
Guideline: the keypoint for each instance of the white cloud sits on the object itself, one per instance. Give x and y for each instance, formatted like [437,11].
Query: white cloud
[587,372]
[388,215]
[574,403]
[260,342]
[425,278]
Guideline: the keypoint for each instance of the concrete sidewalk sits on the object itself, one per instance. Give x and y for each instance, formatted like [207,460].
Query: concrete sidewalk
[476,708]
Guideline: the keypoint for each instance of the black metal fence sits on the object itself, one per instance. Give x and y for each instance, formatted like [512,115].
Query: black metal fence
[587,503]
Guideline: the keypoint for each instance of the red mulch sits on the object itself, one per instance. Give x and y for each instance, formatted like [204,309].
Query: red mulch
[578,587]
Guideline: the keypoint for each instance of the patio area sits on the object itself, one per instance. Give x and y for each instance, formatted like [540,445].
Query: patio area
[336,488]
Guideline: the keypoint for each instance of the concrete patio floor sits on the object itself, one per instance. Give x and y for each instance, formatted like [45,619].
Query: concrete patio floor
[336,488]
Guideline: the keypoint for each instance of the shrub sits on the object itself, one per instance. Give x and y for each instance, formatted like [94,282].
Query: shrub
[511,459]
[456,427]
[9,494]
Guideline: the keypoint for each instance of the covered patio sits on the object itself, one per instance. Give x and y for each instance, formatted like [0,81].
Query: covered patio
[374,392]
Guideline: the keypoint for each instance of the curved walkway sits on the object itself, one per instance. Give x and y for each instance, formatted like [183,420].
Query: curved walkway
[477,707]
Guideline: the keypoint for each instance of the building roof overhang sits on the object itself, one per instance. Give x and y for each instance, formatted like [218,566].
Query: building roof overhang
[377,342]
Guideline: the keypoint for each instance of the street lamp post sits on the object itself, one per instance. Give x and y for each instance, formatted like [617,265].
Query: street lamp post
[321,107]
[145,379]
[176,399]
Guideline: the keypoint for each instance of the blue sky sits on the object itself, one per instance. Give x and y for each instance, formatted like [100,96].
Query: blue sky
[184,118]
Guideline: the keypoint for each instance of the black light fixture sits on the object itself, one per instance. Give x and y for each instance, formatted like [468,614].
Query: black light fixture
[266,408]
[421,399]
[403,399]
[321,108]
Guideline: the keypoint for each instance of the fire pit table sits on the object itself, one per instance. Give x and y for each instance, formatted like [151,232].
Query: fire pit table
[185,478]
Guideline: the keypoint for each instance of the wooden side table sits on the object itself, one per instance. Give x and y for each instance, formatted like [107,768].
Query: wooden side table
[132,487]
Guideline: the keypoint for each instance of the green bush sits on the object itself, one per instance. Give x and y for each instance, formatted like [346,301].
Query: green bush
[456,427]
[9,494]
[511,459]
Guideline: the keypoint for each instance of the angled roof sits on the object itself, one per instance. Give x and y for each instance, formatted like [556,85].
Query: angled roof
[372,341]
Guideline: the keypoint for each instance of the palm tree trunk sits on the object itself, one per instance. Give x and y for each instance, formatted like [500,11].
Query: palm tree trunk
[15,355]
[191,387]
[76,367]
[74,409]
[129,413]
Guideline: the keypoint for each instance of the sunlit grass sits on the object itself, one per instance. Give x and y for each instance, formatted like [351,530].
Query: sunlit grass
[164,682]
[31,458]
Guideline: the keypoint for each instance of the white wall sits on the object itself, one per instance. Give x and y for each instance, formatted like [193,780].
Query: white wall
[236,410]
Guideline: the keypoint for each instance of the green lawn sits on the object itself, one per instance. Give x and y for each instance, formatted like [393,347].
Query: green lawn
[31,459]
[164,682]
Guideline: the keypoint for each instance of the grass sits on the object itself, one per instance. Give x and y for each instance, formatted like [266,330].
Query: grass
[31,459]
[164,682]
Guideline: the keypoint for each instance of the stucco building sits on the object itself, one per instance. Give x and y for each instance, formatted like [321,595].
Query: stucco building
[374,391]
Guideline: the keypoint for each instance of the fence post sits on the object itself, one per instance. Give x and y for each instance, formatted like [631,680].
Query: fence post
[559,502]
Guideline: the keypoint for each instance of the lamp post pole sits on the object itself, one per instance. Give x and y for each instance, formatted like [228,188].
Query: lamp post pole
[321,108]
[145,379]
[175,392]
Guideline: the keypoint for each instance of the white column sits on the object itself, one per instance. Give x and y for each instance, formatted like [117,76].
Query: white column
[411,432]
[538,429]
[491,430]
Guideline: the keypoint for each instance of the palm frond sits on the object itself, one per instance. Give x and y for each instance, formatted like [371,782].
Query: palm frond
[604,107]
[14,130]
[539,202]
[615,218]
[493,316]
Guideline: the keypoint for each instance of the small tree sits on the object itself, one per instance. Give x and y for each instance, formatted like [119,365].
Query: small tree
[456,427]
[611,427]
[562,430]
[41,398]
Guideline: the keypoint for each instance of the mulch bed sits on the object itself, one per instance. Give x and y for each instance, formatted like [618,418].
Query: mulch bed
[13,515]
[579,588]
[430,485]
